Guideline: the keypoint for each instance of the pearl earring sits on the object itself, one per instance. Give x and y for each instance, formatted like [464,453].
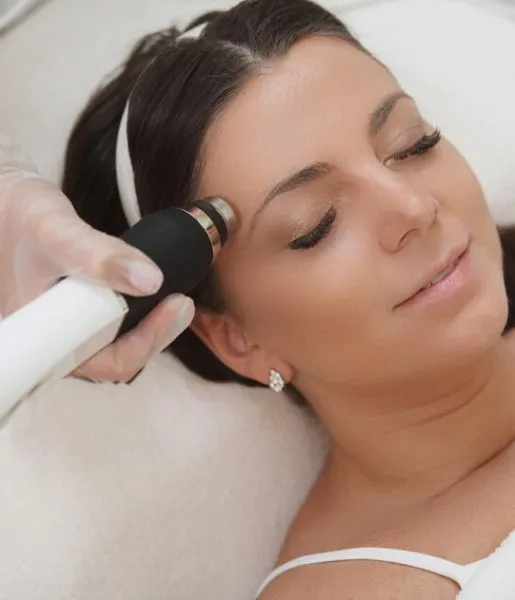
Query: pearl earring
[276,382]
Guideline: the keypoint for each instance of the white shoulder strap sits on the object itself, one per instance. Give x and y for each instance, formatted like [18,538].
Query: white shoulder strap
[440,566]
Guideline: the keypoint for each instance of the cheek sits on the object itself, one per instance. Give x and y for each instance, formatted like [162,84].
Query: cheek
[313,308]
[462,196]
[459,191]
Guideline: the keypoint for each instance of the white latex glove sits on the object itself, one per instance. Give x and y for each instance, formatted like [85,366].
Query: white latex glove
[42,239]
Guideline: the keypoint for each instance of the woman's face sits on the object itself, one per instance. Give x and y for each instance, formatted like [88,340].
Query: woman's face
[347,205]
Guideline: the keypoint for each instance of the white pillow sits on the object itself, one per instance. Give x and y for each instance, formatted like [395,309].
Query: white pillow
[175,488]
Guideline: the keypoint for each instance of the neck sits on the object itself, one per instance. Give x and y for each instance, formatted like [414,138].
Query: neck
[425,437]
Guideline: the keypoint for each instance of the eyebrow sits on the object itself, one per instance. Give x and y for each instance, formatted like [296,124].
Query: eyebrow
[292,182]
[380,116]
[321,169]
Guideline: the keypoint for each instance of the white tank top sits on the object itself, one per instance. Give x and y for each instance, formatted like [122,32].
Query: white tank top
[461,574]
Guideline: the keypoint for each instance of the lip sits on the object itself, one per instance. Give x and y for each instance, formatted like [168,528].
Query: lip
[457,254]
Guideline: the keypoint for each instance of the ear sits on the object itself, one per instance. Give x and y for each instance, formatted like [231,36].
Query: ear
[225,337]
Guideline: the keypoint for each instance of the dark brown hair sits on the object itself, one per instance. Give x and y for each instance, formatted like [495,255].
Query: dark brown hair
[176,89]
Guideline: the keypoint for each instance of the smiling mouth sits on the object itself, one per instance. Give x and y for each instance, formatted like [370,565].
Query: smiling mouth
[441,276]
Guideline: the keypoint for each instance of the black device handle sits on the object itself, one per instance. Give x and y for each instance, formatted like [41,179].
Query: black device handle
[180,247]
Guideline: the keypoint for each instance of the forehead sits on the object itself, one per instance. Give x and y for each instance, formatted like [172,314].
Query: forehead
[310,106]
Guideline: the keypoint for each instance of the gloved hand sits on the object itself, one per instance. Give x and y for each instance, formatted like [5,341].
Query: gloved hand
[42,239]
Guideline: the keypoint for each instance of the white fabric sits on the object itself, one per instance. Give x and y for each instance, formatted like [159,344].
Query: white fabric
[168,489]
[492,577]
[495,580]
[461,574]
[12,11]
[175,488]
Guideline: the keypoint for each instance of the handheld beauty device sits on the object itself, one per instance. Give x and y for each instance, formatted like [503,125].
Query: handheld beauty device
[58,331]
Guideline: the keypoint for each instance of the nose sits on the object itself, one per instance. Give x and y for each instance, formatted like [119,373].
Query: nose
[402,212]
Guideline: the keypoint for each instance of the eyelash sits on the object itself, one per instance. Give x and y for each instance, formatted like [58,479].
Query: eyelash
[316,235]
[423,145]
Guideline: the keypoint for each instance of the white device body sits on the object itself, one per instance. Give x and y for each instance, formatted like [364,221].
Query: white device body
[49,337]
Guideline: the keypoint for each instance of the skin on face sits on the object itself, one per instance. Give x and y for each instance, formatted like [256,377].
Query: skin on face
[327,316]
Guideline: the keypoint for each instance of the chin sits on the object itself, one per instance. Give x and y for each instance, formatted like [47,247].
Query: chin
[469,334]
[478,328]
[478,313]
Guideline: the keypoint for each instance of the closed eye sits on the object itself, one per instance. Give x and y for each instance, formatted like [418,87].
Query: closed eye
[317,234]
[421,146]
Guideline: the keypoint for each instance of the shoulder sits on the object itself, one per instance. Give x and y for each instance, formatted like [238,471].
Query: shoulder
[359,580]
[318,529]
[318,582]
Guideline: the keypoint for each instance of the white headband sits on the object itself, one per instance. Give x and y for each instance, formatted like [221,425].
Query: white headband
[124,170]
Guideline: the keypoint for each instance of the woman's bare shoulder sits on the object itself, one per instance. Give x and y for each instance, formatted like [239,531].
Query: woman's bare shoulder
[359,580]
[316,529]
